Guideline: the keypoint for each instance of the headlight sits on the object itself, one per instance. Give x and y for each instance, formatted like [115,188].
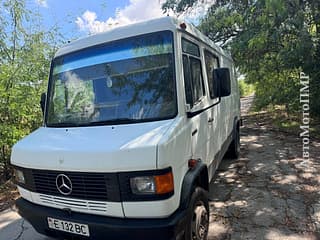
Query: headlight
[143,185]
[19,176]
[158,184]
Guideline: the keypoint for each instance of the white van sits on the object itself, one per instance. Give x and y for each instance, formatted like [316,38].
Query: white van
[136,121]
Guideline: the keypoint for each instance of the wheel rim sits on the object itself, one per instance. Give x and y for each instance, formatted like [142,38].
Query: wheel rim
[200,222]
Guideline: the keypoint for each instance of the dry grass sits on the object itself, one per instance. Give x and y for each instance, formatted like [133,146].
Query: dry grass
[278,119]
[8,194]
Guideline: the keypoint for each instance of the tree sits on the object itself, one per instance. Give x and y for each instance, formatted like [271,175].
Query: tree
[25,55]
[271,42]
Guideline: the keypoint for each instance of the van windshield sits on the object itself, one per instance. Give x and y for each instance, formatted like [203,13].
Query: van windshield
[126,81]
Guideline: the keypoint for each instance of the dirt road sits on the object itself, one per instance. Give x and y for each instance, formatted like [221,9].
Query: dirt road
[268,193]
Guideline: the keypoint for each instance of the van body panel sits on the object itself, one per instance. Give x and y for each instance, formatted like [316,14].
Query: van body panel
[92,149]
[119,33]
[154,209]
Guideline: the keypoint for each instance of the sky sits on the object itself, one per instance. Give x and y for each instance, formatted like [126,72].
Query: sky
[77,18]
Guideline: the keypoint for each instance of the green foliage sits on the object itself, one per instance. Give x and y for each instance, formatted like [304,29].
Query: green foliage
[271,41]
[246,89]
[24,64]
[280,89]
[177,6]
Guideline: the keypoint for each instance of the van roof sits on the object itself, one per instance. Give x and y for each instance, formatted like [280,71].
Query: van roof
[135,29]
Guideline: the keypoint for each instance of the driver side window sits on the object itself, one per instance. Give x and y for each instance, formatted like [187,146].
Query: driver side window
[192,70]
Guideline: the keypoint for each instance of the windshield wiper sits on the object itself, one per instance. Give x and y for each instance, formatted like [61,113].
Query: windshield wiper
[115,121]
[67,124]
[98,123]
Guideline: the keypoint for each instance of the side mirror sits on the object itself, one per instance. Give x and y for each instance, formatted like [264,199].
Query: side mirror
[222,85]
[43,102]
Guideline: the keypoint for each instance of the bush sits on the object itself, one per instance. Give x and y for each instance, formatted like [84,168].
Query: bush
[246,89]
[281,89]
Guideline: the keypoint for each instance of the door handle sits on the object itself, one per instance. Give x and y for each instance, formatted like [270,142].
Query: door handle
[210,120]
[194,132]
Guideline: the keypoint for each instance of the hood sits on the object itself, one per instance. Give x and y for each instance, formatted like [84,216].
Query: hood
[92,149]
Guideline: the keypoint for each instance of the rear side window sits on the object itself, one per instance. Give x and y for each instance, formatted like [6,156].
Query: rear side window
[190,48]
[194,85]
[211,62]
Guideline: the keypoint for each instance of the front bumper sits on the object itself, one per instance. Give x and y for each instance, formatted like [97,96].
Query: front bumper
[104,227]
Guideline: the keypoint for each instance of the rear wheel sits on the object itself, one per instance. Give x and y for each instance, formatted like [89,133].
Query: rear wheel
[198,219]
[234,148]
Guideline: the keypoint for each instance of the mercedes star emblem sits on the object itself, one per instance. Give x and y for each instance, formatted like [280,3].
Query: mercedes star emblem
[64,184]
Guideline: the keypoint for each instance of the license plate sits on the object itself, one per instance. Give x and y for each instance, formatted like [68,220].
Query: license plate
[70,227]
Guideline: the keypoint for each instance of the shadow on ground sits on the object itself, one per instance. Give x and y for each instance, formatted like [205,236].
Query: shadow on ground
[269,192]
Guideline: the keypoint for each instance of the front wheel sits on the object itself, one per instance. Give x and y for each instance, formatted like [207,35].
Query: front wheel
[198,220]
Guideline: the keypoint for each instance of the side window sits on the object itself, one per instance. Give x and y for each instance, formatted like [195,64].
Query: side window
[194,85]
[211,62]
[187,80]
[190,48]
[197,80]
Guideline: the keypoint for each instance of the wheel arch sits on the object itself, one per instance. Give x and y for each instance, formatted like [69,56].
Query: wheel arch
[195,177]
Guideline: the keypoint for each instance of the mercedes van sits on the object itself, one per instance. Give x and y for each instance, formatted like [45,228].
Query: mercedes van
[136,122]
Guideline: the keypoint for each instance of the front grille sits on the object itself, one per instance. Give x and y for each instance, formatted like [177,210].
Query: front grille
[89,186]
[73,204]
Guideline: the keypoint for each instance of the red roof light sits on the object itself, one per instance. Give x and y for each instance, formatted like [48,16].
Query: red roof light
[183,26]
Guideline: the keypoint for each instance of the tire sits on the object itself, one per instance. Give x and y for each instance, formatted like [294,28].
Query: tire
[198,216]
[234,148]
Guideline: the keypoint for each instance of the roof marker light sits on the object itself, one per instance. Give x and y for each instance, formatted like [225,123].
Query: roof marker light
[183,26]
